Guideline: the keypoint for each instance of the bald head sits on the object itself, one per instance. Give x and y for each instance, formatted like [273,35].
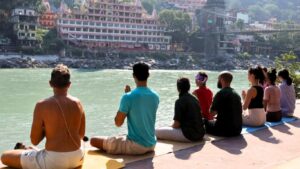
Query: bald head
[225,79]
[226,76]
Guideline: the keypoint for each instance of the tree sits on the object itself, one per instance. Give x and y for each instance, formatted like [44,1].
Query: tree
[148,6]
[175,20]
[178,24]
[52,43]
[290,61]
[240,24]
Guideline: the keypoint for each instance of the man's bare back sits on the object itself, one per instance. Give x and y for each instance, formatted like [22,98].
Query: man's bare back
[53,122]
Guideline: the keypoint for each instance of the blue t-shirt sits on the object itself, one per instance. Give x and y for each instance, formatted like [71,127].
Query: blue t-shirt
[140,106]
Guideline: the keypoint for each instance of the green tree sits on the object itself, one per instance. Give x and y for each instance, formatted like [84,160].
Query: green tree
[178,24]
[52,43]
[290,61]
[175,20]
[240,24]
[148,6]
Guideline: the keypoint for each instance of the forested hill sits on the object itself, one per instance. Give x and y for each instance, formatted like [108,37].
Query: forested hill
[264,9]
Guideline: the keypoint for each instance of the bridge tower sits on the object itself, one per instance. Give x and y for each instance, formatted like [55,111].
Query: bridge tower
[212,27]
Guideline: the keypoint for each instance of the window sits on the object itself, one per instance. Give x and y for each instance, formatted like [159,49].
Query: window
[104,30]
[72,29]
[92,30]
[98,30]
[72,22]
[85,29]
[92,23]
[22,27]
[33,35]
[85,36]
[85,22]
[78,22]
[78,29]
[91,37]
[32,27]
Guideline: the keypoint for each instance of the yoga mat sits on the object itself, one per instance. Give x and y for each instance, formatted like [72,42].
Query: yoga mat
[248,129]
[94,159]
[162,147]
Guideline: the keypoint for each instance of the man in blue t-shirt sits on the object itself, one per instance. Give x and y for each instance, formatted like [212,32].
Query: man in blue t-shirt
[139,106]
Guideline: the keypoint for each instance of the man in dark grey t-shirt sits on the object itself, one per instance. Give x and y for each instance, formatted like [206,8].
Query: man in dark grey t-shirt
[227,106]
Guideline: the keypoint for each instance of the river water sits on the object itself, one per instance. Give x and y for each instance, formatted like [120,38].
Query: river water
[99,91]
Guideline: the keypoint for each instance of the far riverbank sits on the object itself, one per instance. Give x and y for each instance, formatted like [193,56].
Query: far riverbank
[117,61]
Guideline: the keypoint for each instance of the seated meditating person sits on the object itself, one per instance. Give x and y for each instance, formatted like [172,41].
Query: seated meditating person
[204,95]
[272,98]
[228,108]
[264,83]
[254,113]
[187,125]
[288,94]
[61,120]
[139,106]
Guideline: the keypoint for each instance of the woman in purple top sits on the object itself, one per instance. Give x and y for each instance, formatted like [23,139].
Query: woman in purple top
[288,94]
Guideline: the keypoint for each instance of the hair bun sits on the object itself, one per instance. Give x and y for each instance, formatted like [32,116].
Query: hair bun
[274,71]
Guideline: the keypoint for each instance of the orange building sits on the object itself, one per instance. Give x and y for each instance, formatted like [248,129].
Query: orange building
[48,18]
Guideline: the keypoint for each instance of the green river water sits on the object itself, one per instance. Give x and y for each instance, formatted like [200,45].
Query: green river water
[99,91]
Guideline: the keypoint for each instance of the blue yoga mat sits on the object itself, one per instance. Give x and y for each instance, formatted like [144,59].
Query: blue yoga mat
[247,129]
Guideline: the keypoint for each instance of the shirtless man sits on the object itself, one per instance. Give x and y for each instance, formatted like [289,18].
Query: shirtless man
[61,120]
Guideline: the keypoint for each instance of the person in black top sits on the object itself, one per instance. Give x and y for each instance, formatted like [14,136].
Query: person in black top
[188,125]
[254,114]
[228,108]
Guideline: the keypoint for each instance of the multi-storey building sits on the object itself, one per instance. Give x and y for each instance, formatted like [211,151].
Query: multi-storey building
[48,18]
[25,26]
[115,24]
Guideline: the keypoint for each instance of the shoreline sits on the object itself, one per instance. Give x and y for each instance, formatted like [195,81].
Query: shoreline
[176,62]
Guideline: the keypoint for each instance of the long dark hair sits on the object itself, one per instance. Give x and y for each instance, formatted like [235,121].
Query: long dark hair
[272,75]
[258,74]
[285,75]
